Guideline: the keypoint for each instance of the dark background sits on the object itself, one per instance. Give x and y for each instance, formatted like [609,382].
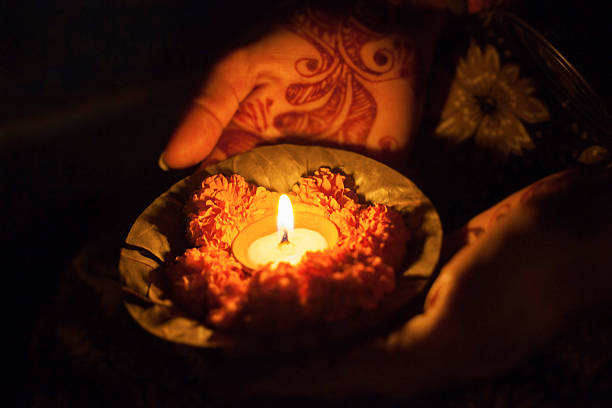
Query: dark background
[91,92]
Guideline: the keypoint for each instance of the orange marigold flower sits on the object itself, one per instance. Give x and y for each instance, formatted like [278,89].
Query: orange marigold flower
[325,286]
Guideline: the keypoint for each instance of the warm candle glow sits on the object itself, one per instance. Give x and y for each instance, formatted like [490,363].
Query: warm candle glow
[284,219]
[284,238]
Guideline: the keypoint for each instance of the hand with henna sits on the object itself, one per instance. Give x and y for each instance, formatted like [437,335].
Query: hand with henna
[321,78]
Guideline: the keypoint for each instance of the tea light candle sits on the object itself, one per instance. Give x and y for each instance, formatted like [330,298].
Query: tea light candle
[284,239]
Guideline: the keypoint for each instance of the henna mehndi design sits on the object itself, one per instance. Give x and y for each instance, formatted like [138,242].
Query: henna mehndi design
[333,104]
[339,107]
[254,115]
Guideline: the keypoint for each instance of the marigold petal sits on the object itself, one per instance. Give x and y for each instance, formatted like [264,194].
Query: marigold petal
[326,285]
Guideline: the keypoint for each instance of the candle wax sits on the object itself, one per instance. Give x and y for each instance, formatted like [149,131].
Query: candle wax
[269,249]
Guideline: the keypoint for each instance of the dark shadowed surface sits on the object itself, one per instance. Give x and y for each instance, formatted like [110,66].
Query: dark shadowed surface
[90,95]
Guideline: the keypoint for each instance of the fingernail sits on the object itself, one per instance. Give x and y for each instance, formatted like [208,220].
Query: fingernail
[162,164]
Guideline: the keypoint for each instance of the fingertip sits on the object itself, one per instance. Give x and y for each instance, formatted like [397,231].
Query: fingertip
[193,140]
[411,335]
[229,83]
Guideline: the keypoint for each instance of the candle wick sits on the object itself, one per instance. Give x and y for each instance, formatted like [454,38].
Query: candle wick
[285,239]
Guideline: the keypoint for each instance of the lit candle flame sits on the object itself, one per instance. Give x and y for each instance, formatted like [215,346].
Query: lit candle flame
[284,219]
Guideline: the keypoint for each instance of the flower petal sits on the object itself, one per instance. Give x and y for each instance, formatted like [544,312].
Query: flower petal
[490,62]
[474,55]
[456,100]
[504,133]
[532,110]
[594,155]
[475,72]
[459,126]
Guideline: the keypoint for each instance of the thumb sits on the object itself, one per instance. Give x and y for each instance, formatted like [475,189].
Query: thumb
[196,136]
